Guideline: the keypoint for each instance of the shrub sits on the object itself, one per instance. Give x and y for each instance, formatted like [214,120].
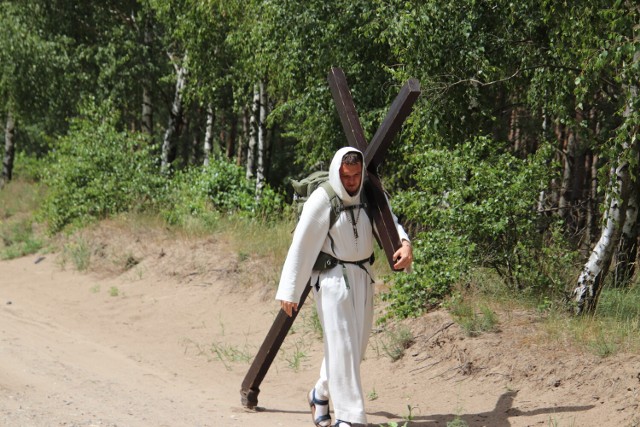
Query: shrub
[473,205]
[96,171]
[220,188]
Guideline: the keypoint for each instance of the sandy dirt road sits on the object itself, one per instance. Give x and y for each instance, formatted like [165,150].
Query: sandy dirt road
[147,348]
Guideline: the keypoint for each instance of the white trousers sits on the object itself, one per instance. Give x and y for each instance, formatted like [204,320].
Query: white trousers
[346,314]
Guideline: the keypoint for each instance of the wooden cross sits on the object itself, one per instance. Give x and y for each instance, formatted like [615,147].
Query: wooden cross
[388,237]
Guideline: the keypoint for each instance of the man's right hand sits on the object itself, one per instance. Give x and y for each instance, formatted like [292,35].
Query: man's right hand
[289,307]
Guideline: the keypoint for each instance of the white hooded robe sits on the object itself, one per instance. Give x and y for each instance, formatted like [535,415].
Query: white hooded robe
[345,307]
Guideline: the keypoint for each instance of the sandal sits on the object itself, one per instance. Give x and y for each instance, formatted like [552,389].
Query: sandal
[321,420]
[340,423]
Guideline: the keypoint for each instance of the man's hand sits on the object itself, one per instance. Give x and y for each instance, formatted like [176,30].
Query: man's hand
[289,307]
[403,256]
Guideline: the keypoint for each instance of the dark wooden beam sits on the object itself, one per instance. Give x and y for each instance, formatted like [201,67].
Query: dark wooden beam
[399,111]
[250,387]
[346,109]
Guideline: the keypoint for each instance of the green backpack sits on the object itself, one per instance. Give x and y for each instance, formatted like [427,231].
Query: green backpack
[303,188]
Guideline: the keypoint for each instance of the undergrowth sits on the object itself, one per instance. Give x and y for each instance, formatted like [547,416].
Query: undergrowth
[477,304]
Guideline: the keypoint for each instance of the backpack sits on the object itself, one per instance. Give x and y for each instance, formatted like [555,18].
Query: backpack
[303,188]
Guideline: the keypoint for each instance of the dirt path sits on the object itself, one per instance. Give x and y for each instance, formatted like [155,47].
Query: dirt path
[148,349]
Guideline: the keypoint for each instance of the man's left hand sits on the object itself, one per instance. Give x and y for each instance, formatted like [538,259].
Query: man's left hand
[403,256]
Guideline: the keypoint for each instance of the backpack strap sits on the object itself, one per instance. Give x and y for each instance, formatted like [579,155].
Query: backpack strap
[334,201]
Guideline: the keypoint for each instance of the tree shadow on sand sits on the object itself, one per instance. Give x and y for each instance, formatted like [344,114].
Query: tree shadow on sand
[498,417]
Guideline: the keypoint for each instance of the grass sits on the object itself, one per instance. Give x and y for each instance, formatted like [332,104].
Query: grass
[395,341]
[19,234]
[260,250]
[297,356]
[614,328]
[474,318]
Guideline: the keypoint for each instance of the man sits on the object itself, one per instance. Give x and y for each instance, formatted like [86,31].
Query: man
[343,291]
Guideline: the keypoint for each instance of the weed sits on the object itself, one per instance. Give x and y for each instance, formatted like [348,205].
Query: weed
[113,291]
[396,341]
[18,239]
[470,321]
[229,353]
[457,422]
[313,321]
[297,357]
[95,289]
[373,395]
[410,415]
[79,252]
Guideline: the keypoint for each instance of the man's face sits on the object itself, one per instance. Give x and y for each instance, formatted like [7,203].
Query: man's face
[350,175]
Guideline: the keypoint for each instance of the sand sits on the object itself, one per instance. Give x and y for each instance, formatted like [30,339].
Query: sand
[167,341]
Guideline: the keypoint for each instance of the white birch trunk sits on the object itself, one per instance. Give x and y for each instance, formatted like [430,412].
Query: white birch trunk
[208,135]
[174,118]
[9,150]
[147,106]
[591,279]
[262,141]
[253,132]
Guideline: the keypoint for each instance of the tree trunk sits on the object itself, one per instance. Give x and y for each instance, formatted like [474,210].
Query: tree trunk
[175,118]
[208,135]
[147,103]
[591,278]
[262,141]
[147,111]
[253,132]
[569,144]
[9,150]
[244,137]
[591,222]
[231,137]
[628,246]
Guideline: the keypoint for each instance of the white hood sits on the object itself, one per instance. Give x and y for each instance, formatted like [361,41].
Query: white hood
[336,182]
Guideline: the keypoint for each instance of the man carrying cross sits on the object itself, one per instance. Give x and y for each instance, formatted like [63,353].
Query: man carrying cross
[344,290]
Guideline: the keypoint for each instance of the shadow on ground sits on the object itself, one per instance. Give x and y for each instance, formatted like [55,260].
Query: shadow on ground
[498,417]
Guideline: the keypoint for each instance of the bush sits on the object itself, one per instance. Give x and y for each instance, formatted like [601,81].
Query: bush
[472,206]
[221,188]
[96,171]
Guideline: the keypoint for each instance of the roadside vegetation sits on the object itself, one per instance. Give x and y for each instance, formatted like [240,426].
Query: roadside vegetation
[515,174]
[479,302]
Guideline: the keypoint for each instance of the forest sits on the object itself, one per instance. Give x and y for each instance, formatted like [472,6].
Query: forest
[520,156]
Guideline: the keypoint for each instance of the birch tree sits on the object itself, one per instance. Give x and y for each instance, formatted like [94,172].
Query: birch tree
[254,121]
[9,150]
[624,176]
[262,140]
[208,135]
[175,118]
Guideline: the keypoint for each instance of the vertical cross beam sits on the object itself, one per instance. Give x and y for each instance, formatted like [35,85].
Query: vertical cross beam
[374,153]
[387,234]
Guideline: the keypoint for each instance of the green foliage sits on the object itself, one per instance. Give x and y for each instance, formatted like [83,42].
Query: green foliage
[471,205]
[471,321]
[18,239]
[97,171]
[440,260]
[221,188]
[79,252]
[396,341]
